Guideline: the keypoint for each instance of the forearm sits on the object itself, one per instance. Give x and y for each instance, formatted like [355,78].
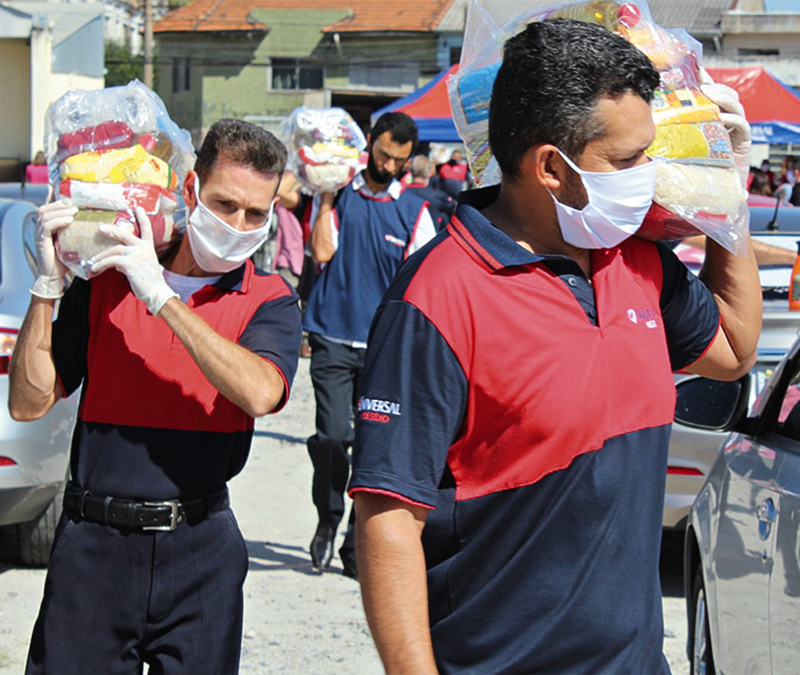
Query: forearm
[734,282]
[241,376]
[33,385]
[321,241]
[391,567]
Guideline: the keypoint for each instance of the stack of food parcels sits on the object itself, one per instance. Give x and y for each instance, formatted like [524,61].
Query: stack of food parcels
[110,151]
[325,147]
[698,189]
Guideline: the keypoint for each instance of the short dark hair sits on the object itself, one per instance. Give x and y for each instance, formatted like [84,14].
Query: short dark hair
[553,74]
[400,125]
[242,143]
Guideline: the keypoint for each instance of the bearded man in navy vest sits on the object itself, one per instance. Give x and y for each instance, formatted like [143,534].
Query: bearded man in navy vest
[509,500]
[361,236]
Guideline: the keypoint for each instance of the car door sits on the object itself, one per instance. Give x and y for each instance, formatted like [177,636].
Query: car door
[742,558]
[782,437]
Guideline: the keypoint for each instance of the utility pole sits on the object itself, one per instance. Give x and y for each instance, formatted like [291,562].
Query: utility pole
[148,43]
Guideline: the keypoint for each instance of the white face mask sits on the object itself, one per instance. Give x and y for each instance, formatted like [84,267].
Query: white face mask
[618,203]
[217,247]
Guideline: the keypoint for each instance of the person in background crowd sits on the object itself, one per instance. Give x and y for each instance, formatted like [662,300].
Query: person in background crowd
[453,175]
[759,183]
[175,358]
[288,260]
[770,174]
[794,199]
[441,205]
[510,492]
[36,171]
[787,180]
[361,236]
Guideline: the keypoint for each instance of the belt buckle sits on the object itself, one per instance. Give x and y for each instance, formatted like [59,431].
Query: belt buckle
[174,517]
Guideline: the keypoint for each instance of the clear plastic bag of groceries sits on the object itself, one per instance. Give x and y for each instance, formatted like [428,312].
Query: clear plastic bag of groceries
[109,151]
[325,146]
[698,189]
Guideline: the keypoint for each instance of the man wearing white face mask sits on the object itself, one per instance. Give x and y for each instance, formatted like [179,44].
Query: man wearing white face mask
[175,359]
[509,501]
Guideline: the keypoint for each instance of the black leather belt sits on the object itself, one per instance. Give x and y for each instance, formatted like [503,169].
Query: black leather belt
[141,515]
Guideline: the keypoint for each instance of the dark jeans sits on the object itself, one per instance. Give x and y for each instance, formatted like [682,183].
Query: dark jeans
[335,372]
[116,599]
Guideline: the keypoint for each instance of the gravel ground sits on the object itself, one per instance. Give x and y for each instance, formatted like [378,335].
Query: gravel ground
[296,621]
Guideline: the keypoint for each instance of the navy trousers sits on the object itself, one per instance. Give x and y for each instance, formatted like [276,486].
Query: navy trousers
[117,599]
[335,372]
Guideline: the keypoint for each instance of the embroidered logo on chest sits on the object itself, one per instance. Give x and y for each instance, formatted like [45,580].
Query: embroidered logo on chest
[645,315]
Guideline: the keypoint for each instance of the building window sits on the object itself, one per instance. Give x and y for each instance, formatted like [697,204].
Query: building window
[294,74]
[748,51]
[181,75]
[382,75]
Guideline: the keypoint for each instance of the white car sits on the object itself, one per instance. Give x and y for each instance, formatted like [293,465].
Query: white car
[33,455]
[741,559]
[692,451]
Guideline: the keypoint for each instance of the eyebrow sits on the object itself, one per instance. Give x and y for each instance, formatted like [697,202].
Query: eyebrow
[391,156]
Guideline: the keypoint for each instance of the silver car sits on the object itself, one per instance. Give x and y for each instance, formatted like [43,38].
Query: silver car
[742,554]
[33,455]
[692,451]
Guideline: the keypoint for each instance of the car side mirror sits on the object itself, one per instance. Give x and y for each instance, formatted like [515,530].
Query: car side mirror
[712,405]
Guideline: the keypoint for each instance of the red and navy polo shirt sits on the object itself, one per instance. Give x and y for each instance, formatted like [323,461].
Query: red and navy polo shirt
[150,425]
[529,408]
[375,235]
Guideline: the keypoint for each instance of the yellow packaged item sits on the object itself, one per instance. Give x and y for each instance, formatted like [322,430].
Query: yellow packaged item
[122,165]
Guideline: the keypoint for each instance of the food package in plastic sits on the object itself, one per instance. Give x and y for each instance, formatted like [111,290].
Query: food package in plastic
[81,241]
[108,152]
[698,189]
[325,147]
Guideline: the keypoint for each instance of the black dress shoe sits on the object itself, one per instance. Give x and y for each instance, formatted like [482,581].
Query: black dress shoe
[322,547]
[350,569]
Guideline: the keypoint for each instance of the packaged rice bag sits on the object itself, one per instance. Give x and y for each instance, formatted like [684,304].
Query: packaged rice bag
[325,146]
[698,189]
[109,151]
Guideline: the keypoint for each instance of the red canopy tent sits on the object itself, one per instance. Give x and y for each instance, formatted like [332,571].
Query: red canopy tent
[771,107]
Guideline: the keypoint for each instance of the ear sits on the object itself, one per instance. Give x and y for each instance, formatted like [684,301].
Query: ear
[545,165]
[189,197]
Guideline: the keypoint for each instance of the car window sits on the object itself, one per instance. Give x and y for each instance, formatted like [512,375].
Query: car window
[788,423]
[28,240]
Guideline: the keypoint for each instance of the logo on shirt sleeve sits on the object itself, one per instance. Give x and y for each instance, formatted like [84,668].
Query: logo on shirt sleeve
[377,410]
[394,240]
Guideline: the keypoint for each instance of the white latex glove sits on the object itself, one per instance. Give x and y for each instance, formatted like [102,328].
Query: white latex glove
[732,117]
[50,270]
[136,258]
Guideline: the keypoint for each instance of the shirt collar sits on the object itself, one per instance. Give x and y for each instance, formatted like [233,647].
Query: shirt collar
[483,240]
[238,279]
[360,185]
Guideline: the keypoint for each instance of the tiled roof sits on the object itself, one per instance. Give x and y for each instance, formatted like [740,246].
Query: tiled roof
[365,15]
[696,16]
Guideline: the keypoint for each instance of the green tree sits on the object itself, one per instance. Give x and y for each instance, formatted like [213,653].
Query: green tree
[122,66]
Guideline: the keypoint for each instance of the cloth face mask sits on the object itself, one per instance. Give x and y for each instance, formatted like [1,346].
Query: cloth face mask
[618,203]
[217,247]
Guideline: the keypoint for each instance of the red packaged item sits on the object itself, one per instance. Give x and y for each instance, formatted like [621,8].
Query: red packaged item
[102,136]
[119,196]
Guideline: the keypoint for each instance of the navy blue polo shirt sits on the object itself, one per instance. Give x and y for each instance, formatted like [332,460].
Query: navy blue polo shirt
[530,411]
[150,425]
[374,234]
